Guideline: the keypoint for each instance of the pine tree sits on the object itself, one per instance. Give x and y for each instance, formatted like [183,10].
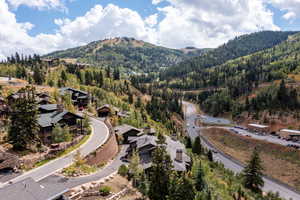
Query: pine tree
[197,147]
[24,129]
[188,142]
[63,75]
[210,156]
[253,173]
[134,168]
[181,188]
[200,183]
[160,171]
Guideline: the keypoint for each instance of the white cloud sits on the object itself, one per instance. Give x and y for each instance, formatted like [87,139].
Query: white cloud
[211,23]
[289,16]
[39,4]
[184,23]
[291,7]
[151,20]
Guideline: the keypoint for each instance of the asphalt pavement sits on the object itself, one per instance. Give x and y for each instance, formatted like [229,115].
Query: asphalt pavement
[99,136]
[270,184]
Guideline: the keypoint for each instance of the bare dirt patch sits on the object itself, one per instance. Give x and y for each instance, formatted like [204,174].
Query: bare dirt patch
[280,162]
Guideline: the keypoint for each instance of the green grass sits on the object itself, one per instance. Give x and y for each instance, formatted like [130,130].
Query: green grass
[62,153]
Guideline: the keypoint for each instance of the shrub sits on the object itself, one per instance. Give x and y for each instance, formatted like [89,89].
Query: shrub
[123,170]
[104,191]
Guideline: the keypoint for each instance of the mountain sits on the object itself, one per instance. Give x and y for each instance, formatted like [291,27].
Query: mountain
[131,54]
[240,46]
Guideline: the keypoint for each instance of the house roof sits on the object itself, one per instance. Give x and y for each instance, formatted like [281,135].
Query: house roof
[290,131]
[48,107]
[50,119]
[30,190]
[171,146]
[68,89]
[258,125]
[122,129]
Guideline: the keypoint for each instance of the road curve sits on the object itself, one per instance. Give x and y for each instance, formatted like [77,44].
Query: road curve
[270,184]
[99,136]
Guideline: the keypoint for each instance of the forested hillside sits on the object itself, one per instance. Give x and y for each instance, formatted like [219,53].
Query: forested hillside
[127,53]
[240,46]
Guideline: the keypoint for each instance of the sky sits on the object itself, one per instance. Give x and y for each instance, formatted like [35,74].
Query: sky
[43,26]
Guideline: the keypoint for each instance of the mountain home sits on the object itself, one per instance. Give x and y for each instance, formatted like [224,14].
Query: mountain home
[53,114]
[106,110]
[146,144]
[124,131]
[79,98]
[41,98]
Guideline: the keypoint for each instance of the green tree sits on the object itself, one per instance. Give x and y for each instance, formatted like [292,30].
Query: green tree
[199,177]
[181,188]
[86,124]
[253,176]
[116,74]
[160,171]
[197,147]
[210,156]
[38,76]
[63,75]
[188,142]
[134,168]
[24,129]
[60,134]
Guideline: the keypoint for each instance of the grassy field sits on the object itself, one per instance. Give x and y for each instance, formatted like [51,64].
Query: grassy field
[280,162]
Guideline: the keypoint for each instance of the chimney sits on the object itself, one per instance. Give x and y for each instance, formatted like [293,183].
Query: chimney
[60,108]
[179,153]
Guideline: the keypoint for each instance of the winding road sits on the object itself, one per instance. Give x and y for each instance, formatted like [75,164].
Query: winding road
[270,184]
[99,136]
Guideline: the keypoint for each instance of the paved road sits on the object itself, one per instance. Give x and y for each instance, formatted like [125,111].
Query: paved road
[55,181]
[269,138]
[270,185]
[99,136]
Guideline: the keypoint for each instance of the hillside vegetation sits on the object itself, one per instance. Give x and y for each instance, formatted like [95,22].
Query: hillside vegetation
[128,53]
[240,46]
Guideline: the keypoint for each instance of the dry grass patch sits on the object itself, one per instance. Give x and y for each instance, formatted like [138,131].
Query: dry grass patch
[280,162]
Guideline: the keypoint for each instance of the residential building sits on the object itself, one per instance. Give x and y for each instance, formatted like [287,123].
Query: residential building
[289,134]
[146,144]
[79,98]
[126,131]
[259,128]
[106,110]
[60,116]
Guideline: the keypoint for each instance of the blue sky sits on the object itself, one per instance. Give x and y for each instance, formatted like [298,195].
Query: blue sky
[42,26]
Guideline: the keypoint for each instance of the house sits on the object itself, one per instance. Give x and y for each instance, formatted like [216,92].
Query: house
[41,98]
[48,108]
[262,129]
[289,134]
[60,116]
[79,98]
[28,189]
[146,144]
[126,131]
[106,110]
[149,131]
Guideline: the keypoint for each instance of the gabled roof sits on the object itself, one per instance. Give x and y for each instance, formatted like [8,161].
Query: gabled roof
[122,129]
[50,119]
[68,89]
[28,189]
[48,107]
[171,146]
